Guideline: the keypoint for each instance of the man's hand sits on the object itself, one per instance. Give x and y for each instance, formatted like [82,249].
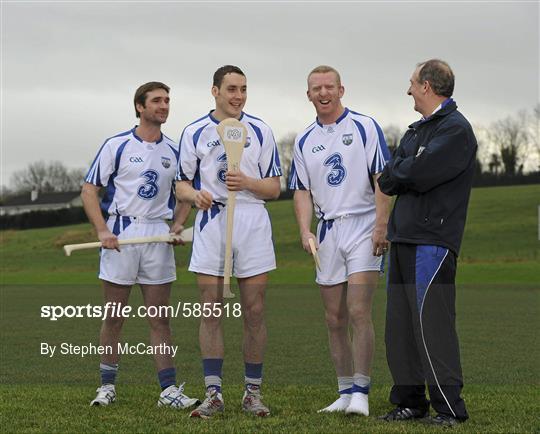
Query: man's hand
[203,200]
[378,238]
[176,229]
[108,240]
[237,181]
[305,241]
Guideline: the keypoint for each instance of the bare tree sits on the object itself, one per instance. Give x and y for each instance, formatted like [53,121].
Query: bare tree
[286,154]
[510,136]
[47,177]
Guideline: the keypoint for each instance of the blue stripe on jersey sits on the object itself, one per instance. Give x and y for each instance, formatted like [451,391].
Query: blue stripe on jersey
[382,143]
[303,139]
[176,152]
[294,181]
[345,113]
[197,135]
[172,199]
[90,176]
[252,117]
[362,131]
[197,176]
[274,169]
[325,227]
[257,132]
[111,188]
[210,213]
[371,181]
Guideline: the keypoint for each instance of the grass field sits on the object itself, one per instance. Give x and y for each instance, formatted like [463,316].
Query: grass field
[498,322]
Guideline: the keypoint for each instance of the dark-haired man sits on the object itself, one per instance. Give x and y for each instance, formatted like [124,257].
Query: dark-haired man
[431,173]
[137,168]
[203,180]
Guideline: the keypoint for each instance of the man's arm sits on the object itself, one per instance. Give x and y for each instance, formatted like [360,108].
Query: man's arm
[266,188]
[303,208]
[181,214]
[185,193]
[90,200]
[382,211]
[444,157]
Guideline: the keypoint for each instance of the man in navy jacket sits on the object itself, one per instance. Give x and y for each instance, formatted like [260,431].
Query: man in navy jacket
[431,173]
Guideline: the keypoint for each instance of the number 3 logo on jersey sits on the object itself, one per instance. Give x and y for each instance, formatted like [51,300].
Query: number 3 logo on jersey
[223,169]
[149,189]
[338,172]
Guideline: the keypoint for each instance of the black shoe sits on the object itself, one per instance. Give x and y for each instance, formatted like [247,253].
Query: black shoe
[404,413]
[443,420]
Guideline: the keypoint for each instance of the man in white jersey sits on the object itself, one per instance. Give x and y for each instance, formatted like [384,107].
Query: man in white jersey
[137,168]
[203,180]
[337,160]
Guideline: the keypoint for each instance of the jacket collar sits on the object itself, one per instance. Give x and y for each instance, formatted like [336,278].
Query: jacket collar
[447,107]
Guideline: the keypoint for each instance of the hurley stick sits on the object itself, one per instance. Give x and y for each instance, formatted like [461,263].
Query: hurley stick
[233,135]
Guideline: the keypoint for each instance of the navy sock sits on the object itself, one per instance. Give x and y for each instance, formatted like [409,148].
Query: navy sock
[253,374]
[108,372]
[212,369]
[167,377]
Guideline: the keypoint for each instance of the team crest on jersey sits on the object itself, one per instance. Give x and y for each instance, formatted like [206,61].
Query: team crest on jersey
[346,139]
[248,142]
[166,162]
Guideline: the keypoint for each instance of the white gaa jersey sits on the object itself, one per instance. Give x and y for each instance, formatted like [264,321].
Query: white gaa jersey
[138,176]
[337,163]
[203,159]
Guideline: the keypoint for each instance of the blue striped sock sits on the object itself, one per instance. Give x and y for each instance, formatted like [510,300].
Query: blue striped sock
[108,372]
[361,383]
[212,369]
[167,377]
[253,374]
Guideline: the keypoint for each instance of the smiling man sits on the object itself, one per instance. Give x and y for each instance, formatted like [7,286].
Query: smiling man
[337,160]
[138,169]
[203,180]
[431,173]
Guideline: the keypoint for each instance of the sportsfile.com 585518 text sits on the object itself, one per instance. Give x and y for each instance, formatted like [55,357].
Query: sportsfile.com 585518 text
[113,309]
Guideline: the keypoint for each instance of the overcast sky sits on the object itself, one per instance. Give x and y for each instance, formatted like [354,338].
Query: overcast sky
[69,69]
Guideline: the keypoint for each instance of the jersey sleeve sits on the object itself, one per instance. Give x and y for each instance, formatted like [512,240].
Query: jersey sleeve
[269,163]
[187,161]
[298,177]
[102,166]
[377,153]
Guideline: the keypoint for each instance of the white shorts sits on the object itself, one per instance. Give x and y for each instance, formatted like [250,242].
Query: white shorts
[252,246]
[345,247]
[149,264]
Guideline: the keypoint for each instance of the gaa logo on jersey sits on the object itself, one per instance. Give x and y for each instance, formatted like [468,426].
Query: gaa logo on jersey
[346,139]
[166,162]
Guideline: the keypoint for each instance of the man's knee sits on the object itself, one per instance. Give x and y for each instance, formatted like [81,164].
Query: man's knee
[159,324]
[359,314]
[254,314]
[336,322]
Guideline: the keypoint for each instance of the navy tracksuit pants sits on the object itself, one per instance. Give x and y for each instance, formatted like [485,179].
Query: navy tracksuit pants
[421,340]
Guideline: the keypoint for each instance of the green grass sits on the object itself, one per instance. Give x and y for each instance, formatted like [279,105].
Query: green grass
[498,321]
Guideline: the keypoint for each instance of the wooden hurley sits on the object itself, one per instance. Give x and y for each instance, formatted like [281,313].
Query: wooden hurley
[233,135]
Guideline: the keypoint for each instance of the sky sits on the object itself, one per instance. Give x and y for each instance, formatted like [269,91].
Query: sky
[70,69]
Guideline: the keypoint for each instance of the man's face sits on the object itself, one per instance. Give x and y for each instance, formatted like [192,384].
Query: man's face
[231,95]
[417,90]
[156,107]
[325,93]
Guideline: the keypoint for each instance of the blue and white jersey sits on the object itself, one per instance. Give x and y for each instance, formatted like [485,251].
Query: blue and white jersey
[337,162]
[138,176]
[203,159]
